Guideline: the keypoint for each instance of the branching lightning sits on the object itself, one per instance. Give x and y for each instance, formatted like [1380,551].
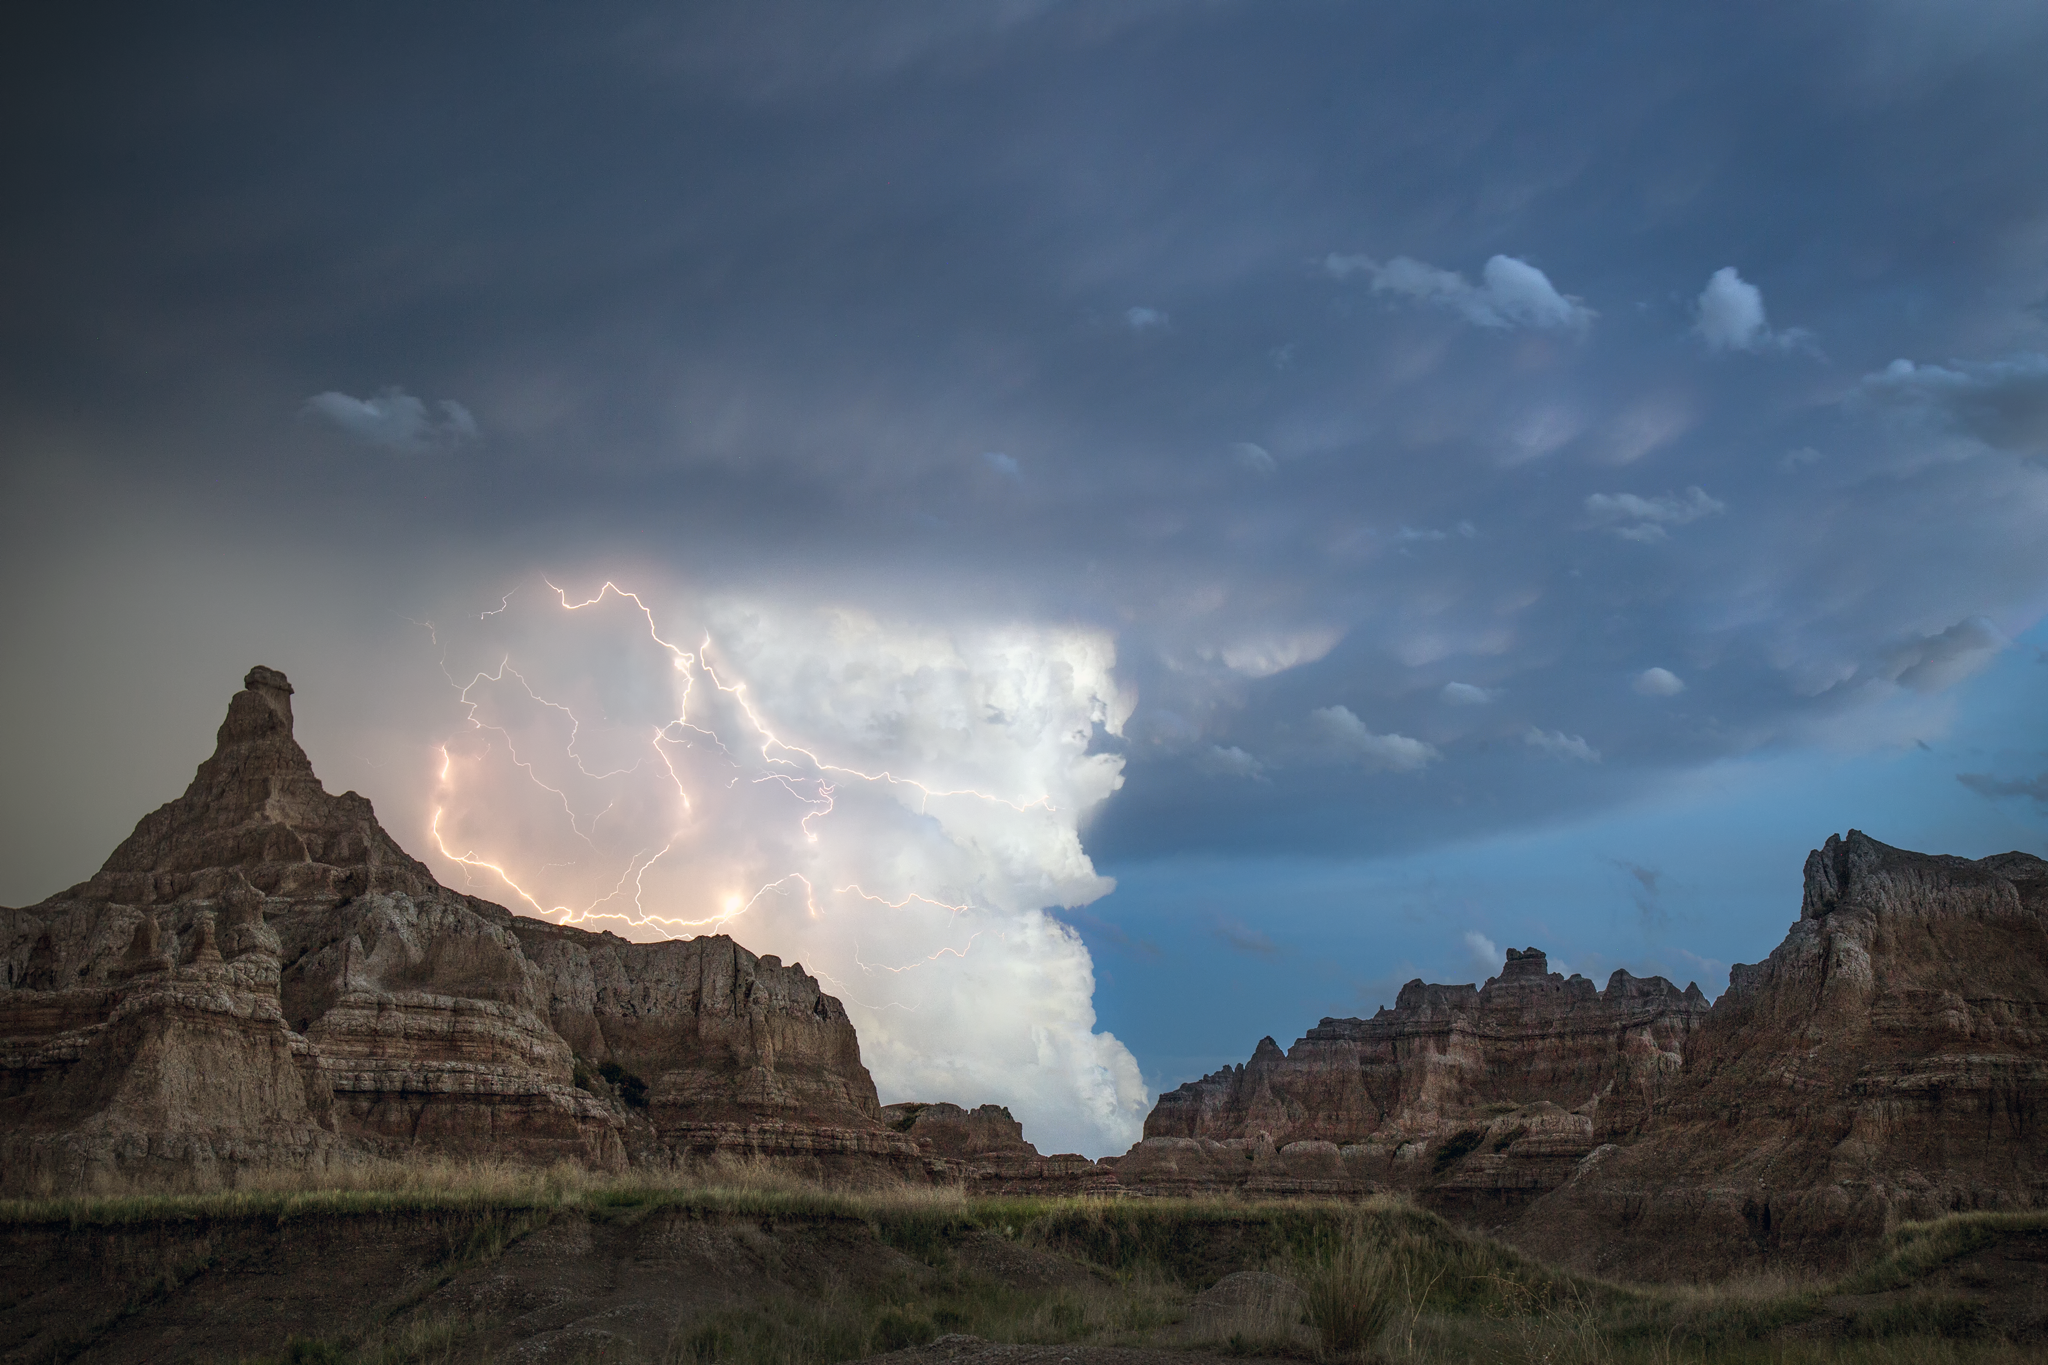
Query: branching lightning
[807,778]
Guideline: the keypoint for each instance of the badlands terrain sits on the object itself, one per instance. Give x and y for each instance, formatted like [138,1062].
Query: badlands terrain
[269,1090]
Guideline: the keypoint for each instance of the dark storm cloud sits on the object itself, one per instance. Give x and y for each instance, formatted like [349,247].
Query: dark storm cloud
[1400,385]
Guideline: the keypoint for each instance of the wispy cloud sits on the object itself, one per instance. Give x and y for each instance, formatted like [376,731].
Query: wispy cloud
[1643,519]
[1984,784]
[1558,744]
[1511,292]
[395,420]
[1242,938]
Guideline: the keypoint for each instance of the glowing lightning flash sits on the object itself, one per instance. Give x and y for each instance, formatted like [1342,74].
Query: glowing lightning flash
[814,792]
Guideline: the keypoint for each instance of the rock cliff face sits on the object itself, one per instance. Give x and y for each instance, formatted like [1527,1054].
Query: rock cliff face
[1888,1061]
[1532,1067]
[260,974]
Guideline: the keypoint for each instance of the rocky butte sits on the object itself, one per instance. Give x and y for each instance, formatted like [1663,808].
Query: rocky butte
[260,975]
[1889,1061]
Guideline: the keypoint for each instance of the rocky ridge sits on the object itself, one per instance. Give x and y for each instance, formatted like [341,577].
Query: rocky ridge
[1532,1066]
[259,974]
[1887,1062]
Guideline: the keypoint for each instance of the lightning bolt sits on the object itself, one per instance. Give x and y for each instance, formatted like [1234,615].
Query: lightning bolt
[808,778]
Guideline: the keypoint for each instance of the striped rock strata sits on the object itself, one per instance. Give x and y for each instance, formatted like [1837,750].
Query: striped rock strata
[259,974]
[1516,1079]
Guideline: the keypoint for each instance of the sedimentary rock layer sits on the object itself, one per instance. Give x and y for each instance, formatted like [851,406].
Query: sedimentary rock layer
[1888,1061]
[1529,1066]
[260,973]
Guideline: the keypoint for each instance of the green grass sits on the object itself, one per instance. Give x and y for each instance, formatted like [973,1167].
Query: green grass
[1378,1275]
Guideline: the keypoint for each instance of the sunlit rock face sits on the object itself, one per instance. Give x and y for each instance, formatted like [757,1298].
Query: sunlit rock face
[1888,1061]
[260,974]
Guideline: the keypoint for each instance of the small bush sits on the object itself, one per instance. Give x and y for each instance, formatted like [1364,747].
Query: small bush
[1349,1294]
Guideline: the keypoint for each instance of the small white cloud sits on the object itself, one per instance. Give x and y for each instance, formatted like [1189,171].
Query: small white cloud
[1002,464]
[1643,519]
[1348,736]
[1938,662]
[1142,319]
[1558,744]
[1230,762]
[1658,682]
[1465,694]
[1256,458]
[396,420]
[1512,293]
[1485,953]
[1730,315]
[1798,459]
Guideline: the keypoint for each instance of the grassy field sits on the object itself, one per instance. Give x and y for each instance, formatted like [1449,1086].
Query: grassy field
[1381,1280]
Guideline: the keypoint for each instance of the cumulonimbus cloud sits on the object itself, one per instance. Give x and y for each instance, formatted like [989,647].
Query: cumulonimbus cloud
[395,420]
[1511,292]
[895,806]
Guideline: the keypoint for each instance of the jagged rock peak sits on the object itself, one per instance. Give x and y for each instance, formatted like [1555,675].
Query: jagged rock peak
[1857,872]
[256,819]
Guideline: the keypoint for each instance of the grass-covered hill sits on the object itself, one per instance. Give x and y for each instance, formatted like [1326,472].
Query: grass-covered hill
[444,1263]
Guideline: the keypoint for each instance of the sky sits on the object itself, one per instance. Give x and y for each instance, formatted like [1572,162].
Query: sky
[1130,527]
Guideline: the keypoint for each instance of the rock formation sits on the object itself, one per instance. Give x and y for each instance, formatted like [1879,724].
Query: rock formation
[260,974]
[1532,1067]
[987,1148]
[1888,1061]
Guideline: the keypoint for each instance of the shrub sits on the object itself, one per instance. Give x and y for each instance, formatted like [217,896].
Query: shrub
[1349,1293]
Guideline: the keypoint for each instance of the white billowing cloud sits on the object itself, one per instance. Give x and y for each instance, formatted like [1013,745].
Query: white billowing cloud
[1730,315]
[1558,744]
[1466,694]
[1658,682]
[1511,292]
[396,420]
[1348,736]
[1005,465]
[1486,955]
[2002,403]
[1229,762]
[1643,519]
[1264,655]
[1256,458]
[1142,319]
[894,806]
[1938,662]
